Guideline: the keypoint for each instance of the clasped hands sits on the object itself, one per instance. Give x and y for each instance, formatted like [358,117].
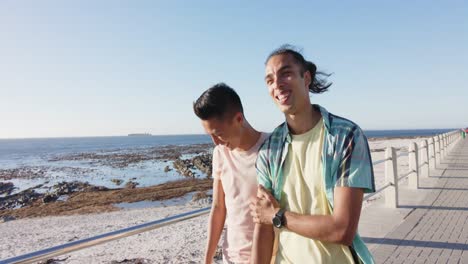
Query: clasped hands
[264,207]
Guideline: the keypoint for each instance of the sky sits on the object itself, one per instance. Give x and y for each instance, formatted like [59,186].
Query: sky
[107,68]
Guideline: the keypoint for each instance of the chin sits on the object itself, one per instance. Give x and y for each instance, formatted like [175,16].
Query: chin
[286,109]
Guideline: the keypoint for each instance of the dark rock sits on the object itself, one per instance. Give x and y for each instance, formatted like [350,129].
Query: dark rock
[6,218]
[167,168]
[74,186]
[117,181]
[49,198]
[183,167]
[132,261]
[131,185]
[203,163]
[19,200]
[73,239]
[28,196]
[52,261]
[6,188]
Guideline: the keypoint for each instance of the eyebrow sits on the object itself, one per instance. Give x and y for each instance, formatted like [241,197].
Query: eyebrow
[285,67]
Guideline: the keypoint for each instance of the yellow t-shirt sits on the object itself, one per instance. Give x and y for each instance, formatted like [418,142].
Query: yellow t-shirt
[304,193]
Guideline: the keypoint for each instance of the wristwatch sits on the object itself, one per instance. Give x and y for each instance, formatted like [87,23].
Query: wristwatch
[278,220]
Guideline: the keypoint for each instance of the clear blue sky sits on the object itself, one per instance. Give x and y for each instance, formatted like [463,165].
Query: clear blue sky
[97,68]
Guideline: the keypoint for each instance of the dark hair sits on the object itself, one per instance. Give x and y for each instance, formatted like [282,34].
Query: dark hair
[319,83]
[219,101]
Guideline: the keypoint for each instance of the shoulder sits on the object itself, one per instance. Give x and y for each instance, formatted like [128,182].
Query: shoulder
[219,152]
[340,126]
[273,139]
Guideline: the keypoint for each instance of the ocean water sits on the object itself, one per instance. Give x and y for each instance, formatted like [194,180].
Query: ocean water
[36,154]
[36,147]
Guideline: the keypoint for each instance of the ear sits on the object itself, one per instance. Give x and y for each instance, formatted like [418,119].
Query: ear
[239,118]
[307,78]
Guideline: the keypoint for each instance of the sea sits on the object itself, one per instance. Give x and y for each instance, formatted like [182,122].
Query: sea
[37,154]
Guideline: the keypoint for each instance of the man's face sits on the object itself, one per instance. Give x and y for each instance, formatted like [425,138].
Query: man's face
[287,86]
[224,131]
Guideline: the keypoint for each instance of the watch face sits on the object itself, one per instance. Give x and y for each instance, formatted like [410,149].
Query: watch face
[277,221]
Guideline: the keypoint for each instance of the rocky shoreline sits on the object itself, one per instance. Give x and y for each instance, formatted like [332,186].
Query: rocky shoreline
[69,197]
[82,198]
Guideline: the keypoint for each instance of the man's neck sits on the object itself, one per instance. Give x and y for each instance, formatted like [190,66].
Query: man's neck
[303,121]
[250,136]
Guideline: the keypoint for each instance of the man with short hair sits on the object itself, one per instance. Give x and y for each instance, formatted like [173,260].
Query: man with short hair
[235,178]
[313,171]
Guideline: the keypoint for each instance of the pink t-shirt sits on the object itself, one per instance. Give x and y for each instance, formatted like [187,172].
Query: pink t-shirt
[236,170]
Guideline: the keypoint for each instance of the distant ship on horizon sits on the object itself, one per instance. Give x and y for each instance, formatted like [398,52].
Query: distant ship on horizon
[140,135]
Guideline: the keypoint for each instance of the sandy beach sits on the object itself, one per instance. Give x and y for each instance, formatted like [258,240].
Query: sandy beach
[179,243]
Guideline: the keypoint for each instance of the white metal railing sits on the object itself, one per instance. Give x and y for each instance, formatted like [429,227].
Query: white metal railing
[431,152]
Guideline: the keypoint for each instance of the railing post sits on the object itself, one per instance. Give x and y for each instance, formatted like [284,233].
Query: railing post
[441,143]
[453,139]
[391,176]
[431,147]
[445,145]
[437,150]
[450,141]
[413,181]
[424,157]
[441,148]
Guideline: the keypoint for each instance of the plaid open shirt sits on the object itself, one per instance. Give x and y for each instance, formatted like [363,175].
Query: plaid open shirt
[345,157]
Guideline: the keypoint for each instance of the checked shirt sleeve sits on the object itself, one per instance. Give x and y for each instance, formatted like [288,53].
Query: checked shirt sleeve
[355,166]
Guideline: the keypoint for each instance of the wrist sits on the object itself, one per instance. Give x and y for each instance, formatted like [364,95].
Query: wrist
[279,219]
[208,260]
[274,211]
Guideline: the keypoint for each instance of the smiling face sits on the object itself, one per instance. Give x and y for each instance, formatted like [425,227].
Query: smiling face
[287,85]
[226,131]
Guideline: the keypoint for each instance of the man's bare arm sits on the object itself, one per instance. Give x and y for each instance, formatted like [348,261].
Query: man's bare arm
[263,241]
[216,220]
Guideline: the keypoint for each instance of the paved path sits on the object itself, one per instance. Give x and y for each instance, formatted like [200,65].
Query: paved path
[436,229]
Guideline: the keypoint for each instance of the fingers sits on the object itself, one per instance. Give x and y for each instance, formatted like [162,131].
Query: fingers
[252,207]
[253,212]
[262,192]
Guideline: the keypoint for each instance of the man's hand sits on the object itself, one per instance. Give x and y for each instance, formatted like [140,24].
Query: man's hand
[264,207]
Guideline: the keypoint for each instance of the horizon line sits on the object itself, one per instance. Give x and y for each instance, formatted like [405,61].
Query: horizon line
[158,135]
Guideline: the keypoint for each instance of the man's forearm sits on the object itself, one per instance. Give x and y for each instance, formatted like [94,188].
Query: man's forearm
[262,247]
[215,228]
[340,227]
[325,228]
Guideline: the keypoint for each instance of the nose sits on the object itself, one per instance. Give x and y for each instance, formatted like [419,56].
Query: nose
[276,83]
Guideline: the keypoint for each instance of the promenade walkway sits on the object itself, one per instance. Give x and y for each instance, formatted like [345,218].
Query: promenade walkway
[433,229]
